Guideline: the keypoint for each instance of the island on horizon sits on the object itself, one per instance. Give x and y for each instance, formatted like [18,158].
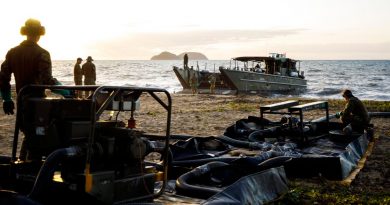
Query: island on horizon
[170,56]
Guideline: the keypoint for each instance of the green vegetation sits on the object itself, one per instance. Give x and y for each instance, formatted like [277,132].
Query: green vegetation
[250,106]
[221,109]
[237,106]
[372,106]
[242,106]
[152,113]
[378,106]
[331,195]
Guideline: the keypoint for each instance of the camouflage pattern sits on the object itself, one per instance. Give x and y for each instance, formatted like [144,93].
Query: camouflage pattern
[89,72]
[78,74]
[29,63]
[356,113]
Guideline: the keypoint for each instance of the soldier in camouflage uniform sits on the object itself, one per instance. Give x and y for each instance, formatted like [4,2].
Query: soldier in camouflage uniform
[78,76]
[89,72]
[30,64]
[355,113]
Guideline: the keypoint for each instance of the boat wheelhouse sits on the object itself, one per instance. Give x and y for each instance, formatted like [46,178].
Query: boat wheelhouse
[250,74]
[275,73]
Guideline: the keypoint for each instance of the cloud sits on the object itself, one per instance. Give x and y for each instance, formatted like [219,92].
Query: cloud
[196,38]
[222,44]
[142,45]
[343,51]
[207,37]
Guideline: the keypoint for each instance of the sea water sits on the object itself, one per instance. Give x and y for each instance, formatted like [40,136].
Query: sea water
[368,79]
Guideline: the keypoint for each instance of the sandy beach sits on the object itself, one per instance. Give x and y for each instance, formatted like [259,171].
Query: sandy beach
[210,115]
[206,115]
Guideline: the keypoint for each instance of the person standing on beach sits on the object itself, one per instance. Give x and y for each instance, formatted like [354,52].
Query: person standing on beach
[78,76]
[194,83]
[185,61]
[89,72]
[30,64]
[212,80]
[355,115]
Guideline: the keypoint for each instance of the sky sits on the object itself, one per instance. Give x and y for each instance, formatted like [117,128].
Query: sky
[220,29]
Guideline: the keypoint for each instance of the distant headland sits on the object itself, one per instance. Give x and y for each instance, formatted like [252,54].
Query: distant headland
[170,56]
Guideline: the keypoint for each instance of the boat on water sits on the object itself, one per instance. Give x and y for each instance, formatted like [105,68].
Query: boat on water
[252,74]
[203,80]
[275,73]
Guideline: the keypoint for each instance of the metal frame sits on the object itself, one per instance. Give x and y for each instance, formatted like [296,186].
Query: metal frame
[295,109]
[96,113]
[272,109]
[298,110]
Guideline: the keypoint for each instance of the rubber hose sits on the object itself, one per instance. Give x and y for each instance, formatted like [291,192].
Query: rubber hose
[13,198]
[244,124]
[379,114]
[260,133]
[48,168]
[198,162]
[268,155]
[180,137]
[240,143]
[184,187]
[323,119]
[274,162]
[255,160]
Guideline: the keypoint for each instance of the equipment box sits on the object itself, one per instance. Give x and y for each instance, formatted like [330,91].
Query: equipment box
[77,129]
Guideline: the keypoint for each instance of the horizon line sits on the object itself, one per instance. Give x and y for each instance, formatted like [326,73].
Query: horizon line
[223,60]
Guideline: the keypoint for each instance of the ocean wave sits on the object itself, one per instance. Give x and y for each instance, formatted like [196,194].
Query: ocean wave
[328,91]
[377,79]
[372,85]
[325,79]
[314,70]
[340,73]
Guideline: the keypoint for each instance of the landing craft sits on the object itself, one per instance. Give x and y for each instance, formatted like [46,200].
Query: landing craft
[250,74]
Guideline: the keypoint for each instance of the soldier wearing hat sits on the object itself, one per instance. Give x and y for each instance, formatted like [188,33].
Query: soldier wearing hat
[30,64]
[89,72]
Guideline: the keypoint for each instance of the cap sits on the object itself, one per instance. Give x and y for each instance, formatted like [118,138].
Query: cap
[346,93]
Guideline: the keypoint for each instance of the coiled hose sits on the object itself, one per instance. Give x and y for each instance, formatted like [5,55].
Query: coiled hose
[253,137]
[188,184]
[48,168]
[184,187]
[242,144]
[379,114]
[198,162]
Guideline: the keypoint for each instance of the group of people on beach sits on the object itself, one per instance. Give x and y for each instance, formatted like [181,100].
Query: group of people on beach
[193,81]
[88,70]
[31,64]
